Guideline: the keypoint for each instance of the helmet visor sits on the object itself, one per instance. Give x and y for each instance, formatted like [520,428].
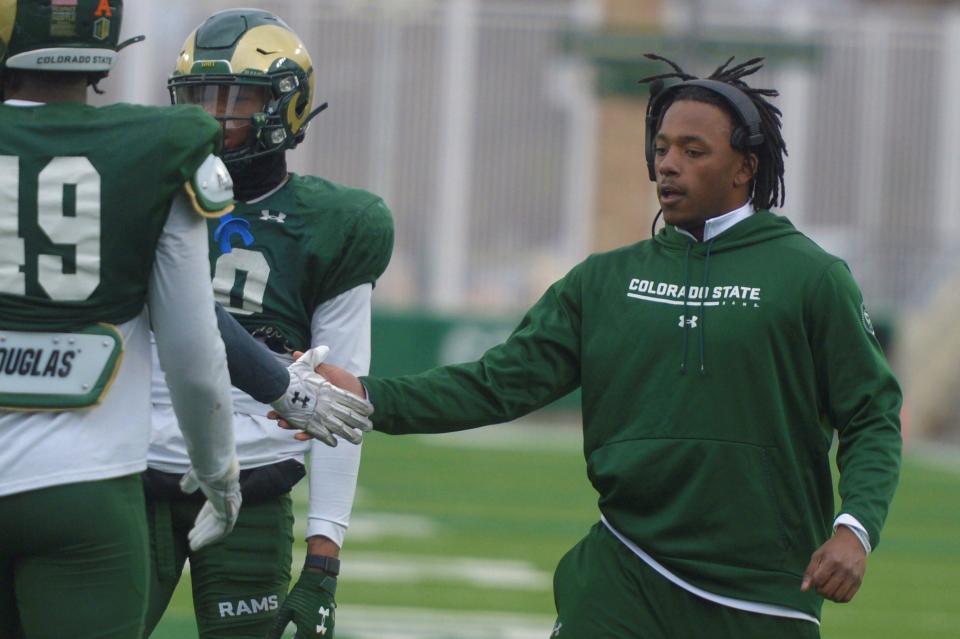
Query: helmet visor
[233,104]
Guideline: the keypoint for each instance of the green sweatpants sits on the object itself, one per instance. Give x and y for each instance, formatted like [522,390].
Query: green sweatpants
[603,591]
[239,582]
[73,561]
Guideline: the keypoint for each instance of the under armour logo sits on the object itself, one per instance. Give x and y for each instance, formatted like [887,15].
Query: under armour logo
[322,627]
[303,401]
[556,630]
[267,216]
[691,321]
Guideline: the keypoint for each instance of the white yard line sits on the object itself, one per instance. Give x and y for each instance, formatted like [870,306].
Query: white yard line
[528,434]
[373,526]
[409,570]
[478,572]
[370,622]
[935,455]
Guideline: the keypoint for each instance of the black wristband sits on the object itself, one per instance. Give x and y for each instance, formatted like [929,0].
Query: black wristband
[329,565]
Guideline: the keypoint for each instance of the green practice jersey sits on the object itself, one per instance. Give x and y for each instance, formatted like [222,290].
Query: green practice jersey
[714,375]
[313,240]
[84,195]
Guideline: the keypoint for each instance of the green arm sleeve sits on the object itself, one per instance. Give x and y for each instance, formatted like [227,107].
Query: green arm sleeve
[860,397]
[539,362]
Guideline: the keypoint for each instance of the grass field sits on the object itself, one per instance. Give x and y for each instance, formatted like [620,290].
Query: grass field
[456,537]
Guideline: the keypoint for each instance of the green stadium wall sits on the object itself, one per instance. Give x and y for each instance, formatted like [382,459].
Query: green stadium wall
[407,342]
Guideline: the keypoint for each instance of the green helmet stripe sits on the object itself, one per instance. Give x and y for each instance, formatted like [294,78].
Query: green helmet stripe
[217,38]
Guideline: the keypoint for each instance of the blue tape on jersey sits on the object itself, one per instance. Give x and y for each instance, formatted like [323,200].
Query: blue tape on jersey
[230,226]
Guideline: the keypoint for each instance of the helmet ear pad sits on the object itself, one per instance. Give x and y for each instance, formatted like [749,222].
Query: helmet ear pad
[746,132]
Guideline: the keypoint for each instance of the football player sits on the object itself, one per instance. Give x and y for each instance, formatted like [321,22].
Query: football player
[101,218]
[305,279]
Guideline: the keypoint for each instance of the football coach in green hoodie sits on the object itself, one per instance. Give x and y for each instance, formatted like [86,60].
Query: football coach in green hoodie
[717,360]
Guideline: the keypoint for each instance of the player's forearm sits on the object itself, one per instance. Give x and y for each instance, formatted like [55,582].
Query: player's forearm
[342,323]
[202,403]
[321,545]
[189,347]
[333,485]
[253,368]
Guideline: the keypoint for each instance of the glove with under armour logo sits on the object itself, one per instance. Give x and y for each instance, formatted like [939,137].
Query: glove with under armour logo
[316,406]
[219,513]
[310,606]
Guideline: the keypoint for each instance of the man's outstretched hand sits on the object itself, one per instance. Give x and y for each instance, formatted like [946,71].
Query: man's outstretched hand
[836,569]
[342,379]
[318,407]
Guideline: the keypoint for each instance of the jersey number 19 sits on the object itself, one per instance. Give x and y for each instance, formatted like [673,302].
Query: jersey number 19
[80,230]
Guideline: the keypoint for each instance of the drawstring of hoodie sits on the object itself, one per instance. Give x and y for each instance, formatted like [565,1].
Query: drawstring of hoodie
[703,319]
[683,318]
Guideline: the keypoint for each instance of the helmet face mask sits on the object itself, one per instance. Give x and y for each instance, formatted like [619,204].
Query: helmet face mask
[249,70]
[242,110]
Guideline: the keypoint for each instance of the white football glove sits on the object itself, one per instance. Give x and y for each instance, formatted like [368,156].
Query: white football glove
[319,408]
[219,513]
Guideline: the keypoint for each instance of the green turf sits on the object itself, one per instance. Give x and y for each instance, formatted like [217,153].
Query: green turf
[531,505]
[910,589]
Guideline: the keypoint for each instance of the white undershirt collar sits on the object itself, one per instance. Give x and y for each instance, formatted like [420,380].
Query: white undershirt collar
[23,103]
[717,225]
[261,198]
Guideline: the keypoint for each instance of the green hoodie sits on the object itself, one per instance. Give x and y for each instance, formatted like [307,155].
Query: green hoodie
[713,377]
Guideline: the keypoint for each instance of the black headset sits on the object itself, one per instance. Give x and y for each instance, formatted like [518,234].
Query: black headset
[745,135]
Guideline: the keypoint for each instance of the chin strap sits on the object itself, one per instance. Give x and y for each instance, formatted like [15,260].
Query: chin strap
[126,43]
[95,78]
[320,109]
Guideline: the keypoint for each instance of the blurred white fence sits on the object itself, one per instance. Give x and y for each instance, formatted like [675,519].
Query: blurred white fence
[873,130]
[479,131]
[463,114]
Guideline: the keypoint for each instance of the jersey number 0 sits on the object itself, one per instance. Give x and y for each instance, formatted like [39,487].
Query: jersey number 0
[80,230]
[240,281]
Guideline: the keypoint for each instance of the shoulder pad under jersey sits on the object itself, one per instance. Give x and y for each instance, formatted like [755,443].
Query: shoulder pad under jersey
[211,188]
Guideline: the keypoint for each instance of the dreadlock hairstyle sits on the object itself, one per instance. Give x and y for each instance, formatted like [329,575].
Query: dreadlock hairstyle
[767,190]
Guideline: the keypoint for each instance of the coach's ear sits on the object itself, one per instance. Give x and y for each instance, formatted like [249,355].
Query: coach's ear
[747,170]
